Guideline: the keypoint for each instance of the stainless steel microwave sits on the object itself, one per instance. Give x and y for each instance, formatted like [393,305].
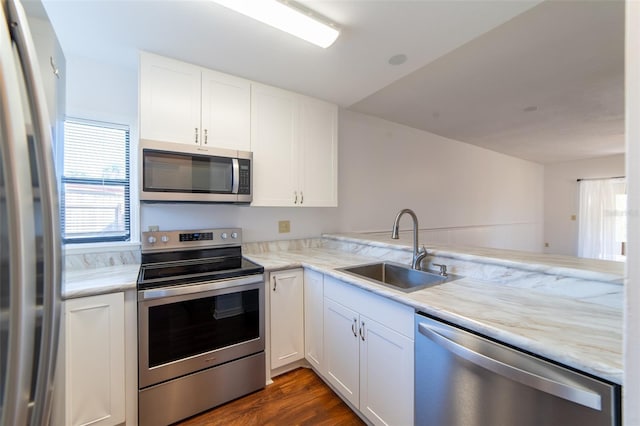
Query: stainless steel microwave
[171,172]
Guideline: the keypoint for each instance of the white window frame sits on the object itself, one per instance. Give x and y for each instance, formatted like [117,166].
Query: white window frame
[105,243]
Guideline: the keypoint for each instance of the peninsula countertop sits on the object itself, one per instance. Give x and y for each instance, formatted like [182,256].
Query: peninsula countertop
[561,327]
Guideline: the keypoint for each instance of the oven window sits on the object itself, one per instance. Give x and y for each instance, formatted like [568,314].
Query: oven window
[191,327]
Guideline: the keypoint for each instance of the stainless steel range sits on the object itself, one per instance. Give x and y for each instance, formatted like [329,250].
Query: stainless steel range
[200,323]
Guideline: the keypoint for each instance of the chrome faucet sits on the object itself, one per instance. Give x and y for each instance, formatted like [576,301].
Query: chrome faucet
[418,254]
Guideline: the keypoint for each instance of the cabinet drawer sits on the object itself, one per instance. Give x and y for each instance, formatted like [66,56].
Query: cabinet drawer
[393,315]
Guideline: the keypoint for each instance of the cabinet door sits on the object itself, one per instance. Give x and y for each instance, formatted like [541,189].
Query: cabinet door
[341,356]
[95,379]
[226,111]
[313,314]
[386,374]
[169,100]
[274,117]
[287,317]
[318,132]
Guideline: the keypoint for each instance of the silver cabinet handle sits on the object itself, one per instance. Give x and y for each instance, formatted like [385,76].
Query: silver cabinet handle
[275,283]
[362,331]
[301,197]
[206,136]
[196,133]
[295,194]
[543,384]
[354,327]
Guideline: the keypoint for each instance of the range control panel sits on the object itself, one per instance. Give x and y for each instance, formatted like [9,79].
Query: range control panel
[187,239]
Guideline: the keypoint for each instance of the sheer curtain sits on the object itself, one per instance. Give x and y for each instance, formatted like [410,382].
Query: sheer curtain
[602,218]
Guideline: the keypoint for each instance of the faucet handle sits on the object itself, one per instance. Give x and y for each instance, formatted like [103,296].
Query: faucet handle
[443,269]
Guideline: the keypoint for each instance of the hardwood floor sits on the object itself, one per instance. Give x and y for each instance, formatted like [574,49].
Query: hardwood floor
[299,397]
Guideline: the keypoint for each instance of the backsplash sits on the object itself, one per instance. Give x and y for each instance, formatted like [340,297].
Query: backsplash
[281,245]
[102,259]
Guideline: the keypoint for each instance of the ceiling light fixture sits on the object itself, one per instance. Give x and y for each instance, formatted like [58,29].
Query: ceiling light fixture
[288,17]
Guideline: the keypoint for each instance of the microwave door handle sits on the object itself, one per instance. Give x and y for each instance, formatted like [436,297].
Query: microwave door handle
[235,179]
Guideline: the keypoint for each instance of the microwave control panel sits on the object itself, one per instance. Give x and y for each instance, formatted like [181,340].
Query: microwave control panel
[244,186]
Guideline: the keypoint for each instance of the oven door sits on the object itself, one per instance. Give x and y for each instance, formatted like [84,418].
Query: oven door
[186,329]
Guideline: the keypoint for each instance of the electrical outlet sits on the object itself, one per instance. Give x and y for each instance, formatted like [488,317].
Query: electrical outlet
[154,228]
[284,226]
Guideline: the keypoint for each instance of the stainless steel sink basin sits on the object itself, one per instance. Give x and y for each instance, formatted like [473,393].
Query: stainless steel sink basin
[398,276]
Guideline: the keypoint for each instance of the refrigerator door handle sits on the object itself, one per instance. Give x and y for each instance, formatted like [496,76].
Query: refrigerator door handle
[52,275]
[21,236]
[543,384]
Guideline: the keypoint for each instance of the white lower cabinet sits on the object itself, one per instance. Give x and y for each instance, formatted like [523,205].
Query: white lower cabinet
[94,360]
[287,317]
[386,375]
[369,361]
[342,350]
[313,314]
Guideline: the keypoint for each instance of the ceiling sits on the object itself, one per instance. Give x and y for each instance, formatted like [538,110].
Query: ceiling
[537,80]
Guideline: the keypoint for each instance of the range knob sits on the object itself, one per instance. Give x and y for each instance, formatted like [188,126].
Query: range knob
[234,235]
[164,239]
[224,236]
[152,240]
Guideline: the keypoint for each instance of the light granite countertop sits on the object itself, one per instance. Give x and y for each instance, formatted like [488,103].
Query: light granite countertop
[578,333]
[583,268]
[563,309]
[103,280]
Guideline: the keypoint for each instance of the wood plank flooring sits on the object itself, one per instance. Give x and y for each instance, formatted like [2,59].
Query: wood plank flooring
[299,397]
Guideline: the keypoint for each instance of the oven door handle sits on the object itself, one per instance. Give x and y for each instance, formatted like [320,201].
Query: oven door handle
[158,293]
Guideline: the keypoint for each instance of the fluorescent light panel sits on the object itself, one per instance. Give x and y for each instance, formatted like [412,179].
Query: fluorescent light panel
[286,18]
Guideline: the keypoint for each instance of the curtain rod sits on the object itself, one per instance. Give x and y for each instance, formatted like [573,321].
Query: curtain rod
[607,178]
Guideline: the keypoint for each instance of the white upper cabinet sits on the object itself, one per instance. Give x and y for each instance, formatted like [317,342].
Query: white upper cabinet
[226,111]
[184,103]
[169,99]
[274,118]
[294,140]
[319,157]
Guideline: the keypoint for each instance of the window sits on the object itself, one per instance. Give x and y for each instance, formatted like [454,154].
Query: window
[95,182]
[602,228]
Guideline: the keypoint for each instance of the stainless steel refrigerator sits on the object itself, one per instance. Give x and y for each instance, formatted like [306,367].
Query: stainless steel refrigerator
[31,113]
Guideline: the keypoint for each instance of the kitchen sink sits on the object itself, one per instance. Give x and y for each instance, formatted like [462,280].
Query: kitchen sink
[398,276]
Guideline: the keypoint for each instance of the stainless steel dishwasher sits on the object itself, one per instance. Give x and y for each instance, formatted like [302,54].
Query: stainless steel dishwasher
[463,379]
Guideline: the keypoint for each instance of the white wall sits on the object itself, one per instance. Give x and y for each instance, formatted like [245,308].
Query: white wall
[102,92]
[258,223]
[561,198]
[385,167]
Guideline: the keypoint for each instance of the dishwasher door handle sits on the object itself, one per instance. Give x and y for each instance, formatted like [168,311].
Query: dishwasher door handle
[543,384]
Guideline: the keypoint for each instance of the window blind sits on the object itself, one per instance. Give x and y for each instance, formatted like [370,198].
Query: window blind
[95,193]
